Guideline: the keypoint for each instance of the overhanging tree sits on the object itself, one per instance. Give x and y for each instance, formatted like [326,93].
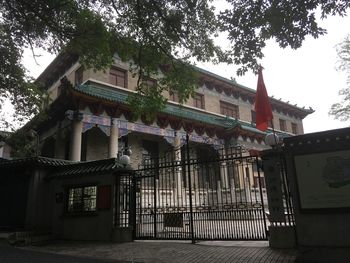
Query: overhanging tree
[341,110]
[154,34]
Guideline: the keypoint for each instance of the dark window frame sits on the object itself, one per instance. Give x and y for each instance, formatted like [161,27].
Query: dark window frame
[294,128]
[270,123]
[120,70]
[253,115]
[149,82]
[79,75]
[198,101]
[283,124]
[174,96]
[229,109]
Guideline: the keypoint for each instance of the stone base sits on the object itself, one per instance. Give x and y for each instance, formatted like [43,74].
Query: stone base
[121,235]
[282,237]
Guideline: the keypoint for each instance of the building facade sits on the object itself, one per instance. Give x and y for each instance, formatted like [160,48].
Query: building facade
[90,118]
[81,183]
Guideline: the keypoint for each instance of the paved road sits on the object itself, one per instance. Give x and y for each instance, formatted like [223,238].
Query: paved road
[10,254]
[176,252]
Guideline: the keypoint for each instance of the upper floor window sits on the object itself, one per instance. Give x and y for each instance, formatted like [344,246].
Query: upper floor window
[270,123]
[79,74]
[118,77]
[229,109]
[283,126]
[294,128]
[198,100]
[150,82]
[173,95]
[253,113]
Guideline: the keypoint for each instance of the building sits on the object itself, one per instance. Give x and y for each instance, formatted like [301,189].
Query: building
[81,183]
[90,120]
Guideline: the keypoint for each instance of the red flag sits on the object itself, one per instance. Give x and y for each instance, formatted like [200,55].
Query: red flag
[262,104]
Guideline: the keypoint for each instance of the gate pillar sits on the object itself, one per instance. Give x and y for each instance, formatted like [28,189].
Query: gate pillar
[280,215]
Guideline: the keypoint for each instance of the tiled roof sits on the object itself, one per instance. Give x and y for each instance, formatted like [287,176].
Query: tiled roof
[102,92]
[114,95]
[190,114]
[64,167]
[89,167]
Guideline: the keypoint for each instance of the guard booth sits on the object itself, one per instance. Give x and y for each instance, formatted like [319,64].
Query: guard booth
[58,199]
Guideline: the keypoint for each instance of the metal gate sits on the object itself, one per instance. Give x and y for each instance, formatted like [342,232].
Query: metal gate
[200,194]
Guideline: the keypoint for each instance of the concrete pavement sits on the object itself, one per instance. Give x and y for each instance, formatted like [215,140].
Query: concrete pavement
[174,252]
[9,254]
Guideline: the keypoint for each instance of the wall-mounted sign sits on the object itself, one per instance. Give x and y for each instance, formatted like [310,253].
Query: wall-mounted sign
[323,180]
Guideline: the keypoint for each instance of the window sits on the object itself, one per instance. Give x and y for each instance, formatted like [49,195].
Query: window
[198,100]
[294,128]
[253,113]
[81,199]
[150,82]
[229,109]
[283,126]
[270,123]
[174,96]
[118,77]
[79,73]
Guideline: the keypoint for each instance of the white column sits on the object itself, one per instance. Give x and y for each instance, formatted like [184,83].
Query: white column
[178,172]
[113,140]
[223,171]
[75,144]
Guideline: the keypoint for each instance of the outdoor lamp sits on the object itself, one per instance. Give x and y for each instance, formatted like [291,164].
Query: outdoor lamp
[125,160]
[272,139]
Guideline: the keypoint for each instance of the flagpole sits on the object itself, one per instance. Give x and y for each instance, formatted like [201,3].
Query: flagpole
[263,107]
[274,132]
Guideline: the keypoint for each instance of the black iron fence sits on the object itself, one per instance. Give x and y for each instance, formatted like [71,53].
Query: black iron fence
[199,193]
